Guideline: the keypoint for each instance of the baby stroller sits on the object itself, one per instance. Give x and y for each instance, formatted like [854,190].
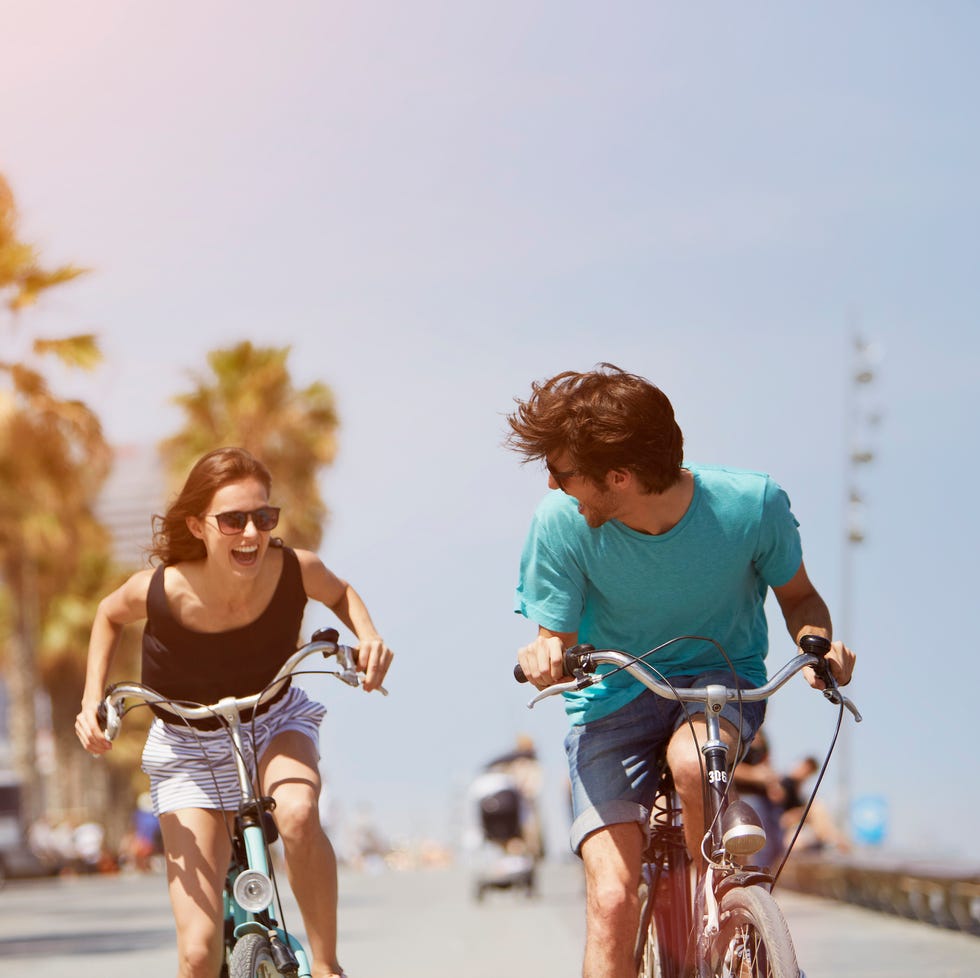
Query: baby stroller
[503,860]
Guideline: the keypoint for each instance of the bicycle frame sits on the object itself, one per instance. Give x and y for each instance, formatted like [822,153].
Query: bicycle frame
[665,881]
[251,831]
[666,862]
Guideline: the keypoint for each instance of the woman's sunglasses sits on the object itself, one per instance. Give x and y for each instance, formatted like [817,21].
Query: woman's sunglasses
[235,520]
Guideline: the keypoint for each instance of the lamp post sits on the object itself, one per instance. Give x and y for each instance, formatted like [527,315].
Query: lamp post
[861,419]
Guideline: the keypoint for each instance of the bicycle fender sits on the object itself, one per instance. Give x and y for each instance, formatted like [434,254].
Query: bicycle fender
[743,879]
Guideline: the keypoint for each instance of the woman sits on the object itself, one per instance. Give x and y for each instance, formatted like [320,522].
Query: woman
[223,611]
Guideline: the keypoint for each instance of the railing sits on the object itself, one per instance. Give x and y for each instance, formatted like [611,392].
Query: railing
[936,894]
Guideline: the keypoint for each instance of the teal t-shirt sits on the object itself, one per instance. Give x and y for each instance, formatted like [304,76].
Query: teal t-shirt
[621,589]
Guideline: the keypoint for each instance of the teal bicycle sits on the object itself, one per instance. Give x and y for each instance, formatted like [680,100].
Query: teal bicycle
[257,944]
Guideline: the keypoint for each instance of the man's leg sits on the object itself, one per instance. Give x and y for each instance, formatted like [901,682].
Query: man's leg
[614,769]
[684,758]
[611,857]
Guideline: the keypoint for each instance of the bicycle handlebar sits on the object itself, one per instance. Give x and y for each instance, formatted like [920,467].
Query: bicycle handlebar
[580,662]
[113,706]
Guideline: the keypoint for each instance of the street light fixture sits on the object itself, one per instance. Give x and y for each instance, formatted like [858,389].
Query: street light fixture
[860,422]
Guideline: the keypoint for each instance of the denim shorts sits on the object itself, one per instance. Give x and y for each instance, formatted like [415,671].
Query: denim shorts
[614,762]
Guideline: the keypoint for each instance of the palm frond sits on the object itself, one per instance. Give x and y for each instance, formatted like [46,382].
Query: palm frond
[74,351]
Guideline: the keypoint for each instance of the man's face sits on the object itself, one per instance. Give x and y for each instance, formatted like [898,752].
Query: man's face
[596,503]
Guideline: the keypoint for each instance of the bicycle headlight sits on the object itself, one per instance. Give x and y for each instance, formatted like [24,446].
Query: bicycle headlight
[253,891]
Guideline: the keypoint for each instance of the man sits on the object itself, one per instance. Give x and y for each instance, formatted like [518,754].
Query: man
[636,548]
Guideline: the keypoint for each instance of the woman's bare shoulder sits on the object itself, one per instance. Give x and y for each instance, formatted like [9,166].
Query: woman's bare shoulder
[319,581]
[128,602]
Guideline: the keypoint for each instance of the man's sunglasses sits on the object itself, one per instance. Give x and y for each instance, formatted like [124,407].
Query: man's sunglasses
[559,476]
[235,520]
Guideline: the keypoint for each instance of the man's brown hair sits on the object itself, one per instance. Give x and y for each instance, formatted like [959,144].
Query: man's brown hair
[602,420]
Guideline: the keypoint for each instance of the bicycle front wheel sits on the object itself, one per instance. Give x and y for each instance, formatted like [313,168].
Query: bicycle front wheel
[251,957]
[753,940]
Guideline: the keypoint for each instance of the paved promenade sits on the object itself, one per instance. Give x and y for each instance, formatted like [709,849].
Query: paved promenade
[426,924]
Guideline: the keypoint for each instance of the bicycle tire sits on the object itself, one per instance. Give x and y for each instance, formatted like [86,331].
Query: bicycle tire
[656,961]
[661,941]
[753,940]
[641,952]
[251,957]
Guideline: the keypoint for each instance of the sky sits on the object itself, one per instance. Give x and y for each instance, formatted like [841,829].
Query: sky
[435,204]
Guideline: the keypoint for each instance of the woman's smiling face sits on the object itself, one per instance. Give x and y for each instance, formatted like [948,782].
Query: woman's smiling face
[245,549]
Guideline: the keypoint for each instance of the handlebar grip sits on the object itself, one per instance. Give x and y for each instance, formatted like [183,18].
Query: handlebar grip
[108,719]
[815,645]
[326,635]
[819,646]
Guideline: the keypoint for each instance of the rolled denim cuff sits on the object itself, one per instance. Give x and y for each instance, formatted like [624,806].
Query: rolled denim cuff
[615,812]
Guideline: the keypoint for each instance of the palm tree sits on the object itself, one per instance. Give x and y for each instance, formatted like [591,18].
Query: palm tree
[53,460]
[106,791]
[250,401]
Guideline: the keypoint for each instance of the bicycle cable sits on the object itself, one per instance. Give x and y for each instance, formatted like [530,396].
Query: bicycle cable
[813,793]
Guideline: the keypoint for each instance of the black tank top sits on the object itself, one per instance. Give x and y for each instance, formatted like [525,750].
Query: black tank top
[203,667]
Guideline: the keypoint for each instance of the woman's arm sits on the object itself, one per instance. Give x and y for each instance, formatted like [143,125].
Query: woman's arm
[320,583]
[125,605]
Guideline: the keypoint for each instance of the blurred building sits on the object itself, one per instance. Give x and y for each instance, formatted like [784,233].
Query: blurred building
[133,493]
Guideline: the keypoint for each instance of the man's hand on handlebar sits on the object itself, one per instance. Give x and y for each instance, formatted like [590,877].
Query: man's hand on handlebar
[840,659]
[542,660]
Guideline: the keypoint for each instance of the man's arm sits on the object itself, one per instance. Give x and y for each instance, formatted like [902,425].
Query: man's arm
[806,614]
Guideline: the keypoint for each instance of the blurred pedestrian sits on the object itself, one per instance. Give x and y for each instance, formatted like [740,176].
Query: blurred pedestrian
[758,783]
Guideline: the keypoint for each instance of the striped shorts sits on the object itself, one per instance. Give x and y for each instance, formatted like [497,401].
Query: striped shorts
[191,768]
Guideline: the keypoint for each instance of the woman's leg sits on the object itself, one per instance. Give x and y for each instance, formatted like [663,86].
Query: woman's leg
[288,771]
[197,852]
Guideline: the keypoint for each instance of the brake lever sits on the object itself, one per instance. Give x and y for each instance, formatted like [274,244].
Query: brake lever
[347,676]
[348,673]
[571,686]
[835,696]
[109,718]
[351,677]
[838,698]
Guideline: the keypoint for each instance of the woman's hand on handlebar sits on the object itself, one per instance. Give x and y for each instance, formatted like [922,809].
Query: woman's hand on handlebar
[542,660]
[88,731]
[373,659]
